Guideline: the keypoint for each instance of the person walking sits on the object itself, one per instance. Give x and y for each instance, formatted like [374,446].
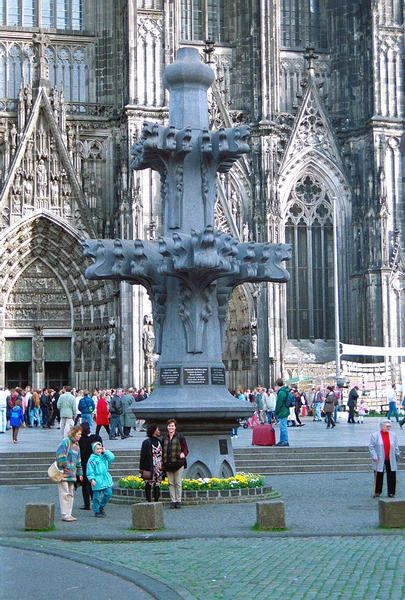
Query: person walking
[67,410]
[282,411]
[331,401]
[151,462]
[69,461]
[352,403]
[16,419]
[384,451]
[99,477]
[175,451]
[392,402]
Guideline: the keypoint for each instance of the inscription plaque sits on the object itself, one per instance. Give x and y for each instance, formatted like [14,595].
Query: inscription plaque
[223,446]
[195,375]
[217,376]
[170,376]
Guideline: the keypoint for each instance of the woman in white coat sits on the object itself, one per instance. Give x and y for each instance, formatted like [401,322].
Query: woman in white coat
[384,450]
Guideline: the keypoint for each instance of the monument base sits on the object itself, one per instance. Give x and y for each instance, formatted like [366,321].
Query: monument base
[209,456]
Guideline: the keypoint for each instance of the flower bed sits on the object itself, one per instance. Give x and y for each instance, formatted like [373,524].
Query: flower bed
[239,481]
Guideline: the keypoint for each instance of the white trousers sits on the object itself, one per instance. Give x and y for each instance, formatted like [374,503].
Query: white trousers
[65,489]
[66,424]
[174,478]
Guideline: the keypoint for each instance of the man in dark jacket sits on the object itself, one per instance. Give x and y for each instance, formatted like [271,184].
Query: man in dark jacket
[352,403]
[282,411]
[116,410]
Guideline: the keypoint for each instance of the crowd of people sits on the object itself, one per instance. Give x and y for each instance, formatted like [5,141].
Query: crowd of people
[112,409]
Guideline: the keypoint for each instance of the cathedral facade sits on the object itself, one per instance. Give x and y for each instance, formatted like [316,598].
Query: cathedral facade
[321,84]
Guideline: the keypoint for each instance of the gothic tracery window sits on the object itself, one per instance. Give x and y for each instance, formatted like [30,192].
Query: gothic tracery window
[303,23]
[310,298]
[202,20]
[52,14]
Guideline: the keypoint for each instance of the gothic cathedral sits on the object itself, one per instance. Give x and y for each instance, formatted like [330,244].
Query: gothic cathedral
[321,84]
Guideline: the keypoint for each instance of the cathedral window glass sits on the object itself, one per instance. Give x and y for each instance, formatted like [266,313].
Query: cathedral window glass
[50,14]
[67,70]
[303,23]
[202,20]
[310,298]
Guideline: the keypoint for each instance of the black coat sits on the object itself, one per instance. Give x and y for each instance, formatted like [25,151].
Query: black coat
[86,450]
[146,458]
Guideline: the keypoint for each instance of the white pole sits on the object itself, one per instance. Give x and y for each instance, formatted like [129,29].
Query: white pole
[336,288]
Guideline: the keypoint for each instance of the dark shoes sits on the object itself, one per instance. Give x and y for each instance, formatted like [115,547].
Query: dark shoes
[173,505]
[177,505]
[99,515]
[85,508]
[391,495]
[282,444]
[102,512]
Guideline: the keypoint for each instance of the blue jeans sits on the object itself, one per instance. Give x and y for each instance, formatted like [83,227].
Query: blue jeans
[392,410]
[283,430]
[318,415]
[34,415]
[87,419]
[100,498]
[116,422]
[3,420]
[270,416]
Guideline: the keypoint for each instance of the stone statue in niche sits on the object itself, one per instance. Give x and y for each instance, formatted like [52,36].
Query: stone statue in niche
[41,179]
[148,340]
[112,342]
[54,191]
[77,346]
[38,351]
[27,187]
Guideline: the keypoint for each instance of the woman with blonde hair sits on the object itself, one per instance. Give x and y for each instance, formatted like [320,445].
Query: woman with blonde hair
[69,461]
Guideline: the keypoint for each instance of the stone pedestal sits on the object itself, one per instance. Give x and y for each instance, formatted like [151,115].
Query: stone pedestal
[147,515]
[39,516]
[270,515]
[391,512]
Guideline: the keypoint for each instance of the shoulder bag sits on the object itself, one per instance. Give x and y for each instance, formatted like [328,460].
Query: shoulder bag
[54,473]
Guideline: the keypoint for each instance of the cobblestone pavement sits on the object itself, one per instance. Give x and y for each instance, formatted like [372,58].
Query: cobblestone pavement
[347,568]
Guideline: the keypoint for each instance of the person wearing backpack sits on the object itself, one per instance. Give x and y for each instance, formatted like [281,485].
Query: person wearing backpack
[283,411]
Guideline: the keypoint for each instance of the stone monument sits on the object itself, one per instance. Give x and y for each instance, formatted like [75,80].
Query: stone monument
[190,272]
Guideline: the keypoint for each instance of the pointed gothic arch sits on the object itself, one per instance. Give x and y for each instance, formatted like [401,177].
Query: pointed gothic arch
[45,294]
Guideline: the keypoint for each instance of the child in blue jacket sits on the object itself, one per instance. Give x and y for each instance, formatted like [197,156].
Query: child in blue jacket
[16,419]
[99,477]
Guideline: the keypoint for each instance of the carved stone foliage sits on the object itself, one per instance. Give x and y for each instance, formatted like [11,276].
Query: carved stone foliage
[37,297]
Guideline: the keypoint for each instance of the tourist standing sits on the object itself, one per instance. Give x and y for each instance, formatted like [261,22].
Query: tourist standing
[282,411]
[384,451]
[68,459]
[45,404]
[116,412]
[85,443]
[352,403]
[16,419]
[392,402]
[175,451]
[67,410]
[99,477]
[330,402]
[3,409]
[317,404]
[362,410]
[151,462]
[271,405]
[86,407]
[128,408]
[102,414]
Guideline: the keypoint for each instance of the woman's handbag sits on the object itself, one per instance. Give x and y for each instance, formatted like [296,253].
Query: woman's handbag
[54,473]
[146,475]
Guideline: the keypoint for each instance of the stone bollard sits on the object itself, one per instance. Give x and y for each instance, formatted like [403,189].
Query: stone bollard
[39,516]
[270,515]
[391,512]
[147,515]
